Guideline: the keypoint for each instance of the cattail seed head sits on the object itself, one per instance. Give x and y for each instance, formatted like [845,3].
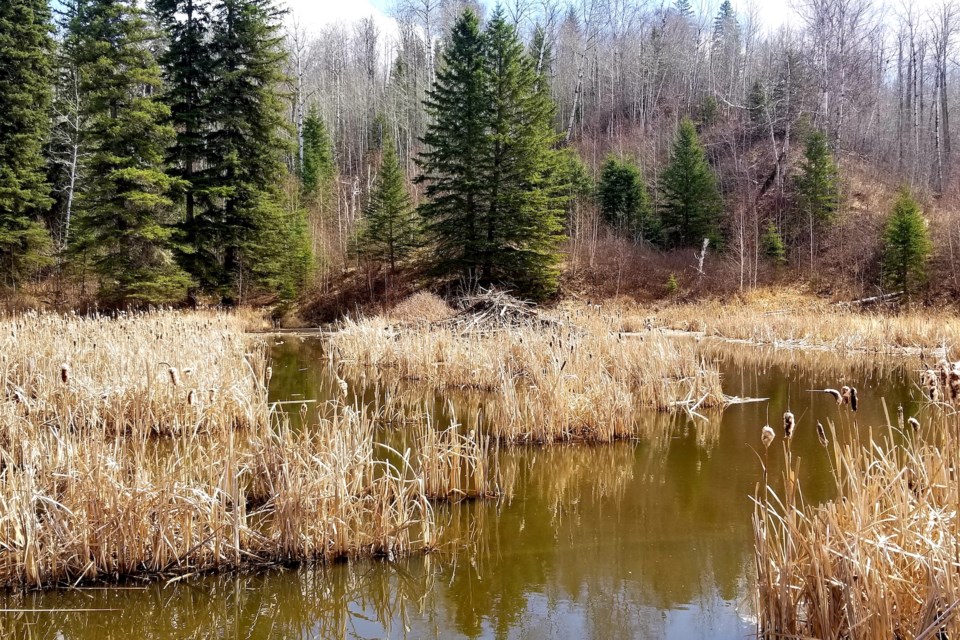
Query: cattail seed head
[854,399]
[269,374]
[65,373]
[789,422]
[821,435]
[191,397]
[767,436]
[174,376]
[914,423]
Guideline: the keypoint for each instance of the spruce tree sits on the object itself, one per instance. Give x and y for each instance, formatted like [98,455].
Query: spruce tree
[906,246]
[692,205]
[318,170]
[624,201]
[26,51]
[772,245]
[389,232]
[126,215]
[818,184]
[246,236]
[187,63]
[455,186]
[522,224]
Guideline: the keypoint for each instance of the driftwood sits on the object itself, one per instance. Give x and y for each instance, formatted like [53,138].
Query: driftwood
[490,309]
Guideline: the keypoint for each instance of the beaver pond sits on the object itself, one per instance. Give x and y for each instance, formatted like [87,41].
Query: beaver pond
[645,538]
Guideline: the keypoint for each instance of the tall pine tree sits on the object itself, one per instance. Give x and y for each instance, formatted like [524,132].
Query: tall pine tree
[906,246]
[455,186]
[126,215]
[246,235]
[691,202]
[818,188]
[26,51]
[318,170]
[389,232]
[188,66]
[522,225]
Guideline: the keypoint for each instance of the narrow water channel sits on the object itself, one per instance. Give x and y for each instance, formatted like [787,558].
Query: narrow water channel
[643,539]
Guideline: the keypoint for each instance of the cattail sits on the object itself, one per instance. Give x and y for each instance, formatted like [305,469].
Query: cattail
[789,422]
[854,399]
[934,394]
[174,376]
[821,435]
[343,385]
[65,373]
[954,385]
[839,397]
[191,397]
[269,374]
[914,423]
[844,395]
[213,394]
[767,436]
[900,415]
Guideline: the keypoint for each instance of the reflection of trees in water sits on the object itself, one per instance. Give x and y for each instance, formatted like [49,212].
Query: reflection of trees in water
[316,602]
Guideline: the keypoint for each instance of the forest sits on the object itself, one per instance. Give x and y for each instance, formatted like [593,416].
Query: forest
[220,151]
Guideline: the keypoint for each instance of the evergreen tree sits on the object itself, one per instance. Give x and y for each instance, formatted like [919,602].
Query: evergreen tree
[246,236]
[757,102]
[906,246]
[187,63]
[25,78]
[692,205]
[493,181]
[725,24]
[684,8]
[624,201]
[772,244]
[319,170]
[522,224]
[126,215]
[390,230]
[454,183]
[818,184]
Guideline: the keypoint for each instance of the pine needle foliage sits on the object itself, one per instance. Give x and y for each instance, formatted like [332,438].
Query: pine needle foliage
[906,246]
[390,231]
[25,80]
[692,205]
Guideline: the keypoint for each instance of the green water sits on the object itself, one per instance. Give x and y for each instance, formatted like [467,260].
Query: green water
[644,539]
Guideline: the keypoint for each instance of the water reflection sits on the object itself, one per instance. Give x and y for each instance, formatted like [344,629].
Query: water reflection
[649,538]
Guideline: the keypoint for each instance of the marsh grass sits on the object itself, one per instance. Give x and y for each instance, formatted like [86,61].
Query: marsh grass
[881,559]
[570,380]
[155,452]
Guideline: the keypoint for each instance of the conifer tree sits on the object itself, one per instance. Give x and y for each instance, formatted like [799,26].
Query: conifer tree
[522,225]
[906,246]
[318,170]
[691,202]
[624,201]
[126,215]
[772,245]
[246,236]
[390,230]
[818,184]
[188,65]
[26,50]
[455,186]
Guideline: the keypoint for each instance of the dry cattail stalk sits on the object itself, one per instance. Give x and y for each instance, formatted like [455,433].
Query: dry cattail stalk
[913,422]
[174,376]
[65,373]
[767,435]
[269,374]
[789,422]
[821,435]
[191,397]
[900,416]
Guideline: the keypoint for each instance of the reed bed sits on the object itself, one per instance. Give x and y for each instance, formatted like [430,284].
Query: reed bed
[570,379]
[806,324]
[119,467]
[880,560]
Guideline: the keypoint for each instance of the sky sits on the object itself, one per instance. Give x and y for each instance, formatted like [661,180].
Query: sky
[314,14]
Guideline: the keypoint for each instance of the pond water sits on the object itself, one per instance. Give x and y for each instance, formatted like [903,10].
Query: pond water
[643,539]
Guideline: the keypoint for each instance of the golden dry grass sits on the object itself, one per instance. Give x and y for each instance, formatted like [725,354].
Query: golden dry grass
[125,462]
[805,322]
[572,379]
[880,560]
